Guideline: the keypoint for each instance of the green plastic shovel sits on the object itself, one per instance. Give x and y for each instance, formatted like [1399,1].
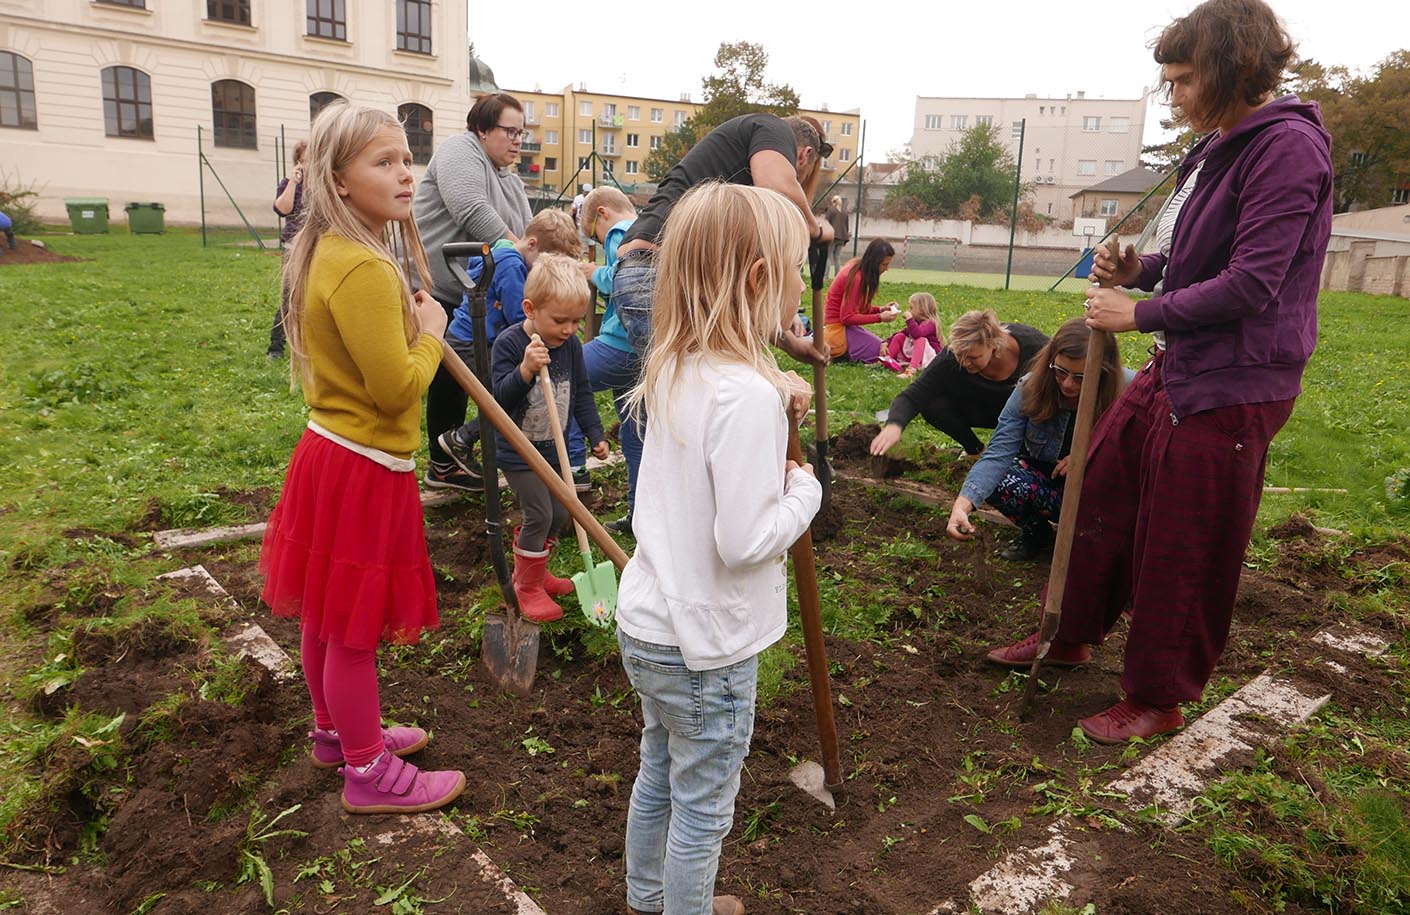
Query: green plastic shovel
[596,584]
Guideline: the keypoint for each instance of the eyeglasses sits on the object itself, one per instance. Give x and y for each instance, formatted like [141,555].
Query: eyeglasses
[513,133]
[825,150]
[592,231]
[1063,374]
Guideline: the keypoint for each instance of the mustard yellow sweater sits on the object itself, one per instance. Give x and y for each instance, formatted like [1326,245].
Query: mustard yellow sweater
[366,382]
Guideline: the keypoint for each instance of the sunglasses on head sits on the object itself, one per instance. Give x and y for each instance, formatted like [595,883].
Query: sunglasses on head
[825,150]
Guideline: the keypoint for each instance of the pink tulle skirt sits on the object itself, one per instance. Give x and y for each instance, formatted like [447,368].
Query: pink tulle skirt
[345,549]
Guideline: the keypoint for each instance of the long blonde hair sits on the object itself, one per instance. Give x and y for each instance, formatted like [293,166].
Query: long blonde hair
[340,132]
[705,301]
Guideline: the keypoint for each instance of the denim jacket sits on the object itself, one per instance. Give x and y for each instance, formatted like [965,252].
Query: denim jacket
[1017,436]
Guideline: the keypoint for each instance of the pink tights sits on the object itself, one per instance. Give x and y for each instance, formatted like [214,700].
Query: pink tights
[895,348]
[342,682]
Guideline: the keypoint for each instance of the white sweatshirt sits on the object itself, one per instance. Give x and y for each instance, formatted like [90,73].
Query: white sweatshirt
[714,519]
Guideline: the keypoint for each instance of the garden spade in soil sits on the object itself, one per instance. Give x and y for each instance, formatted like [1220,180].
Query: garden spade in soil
[596,584]
[509,644]
[1071,496]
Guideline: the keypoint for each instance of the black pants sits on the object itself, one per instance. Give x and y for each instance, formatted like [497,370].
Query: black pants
[10,237]
[446,401]
[959,418]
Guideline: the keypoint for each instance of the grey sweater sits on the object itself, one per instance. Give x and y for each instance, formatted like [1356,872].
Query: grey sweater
[463,197]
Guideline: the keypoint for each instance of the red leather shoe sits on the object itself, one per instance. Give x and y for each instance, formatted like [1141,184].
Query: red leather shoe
[1127,720]
[1021,654]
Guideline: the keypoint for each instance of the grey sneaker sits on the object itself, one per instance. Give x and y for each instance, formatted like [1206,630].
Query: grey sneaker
[449,476]
[582,480]
[463,454]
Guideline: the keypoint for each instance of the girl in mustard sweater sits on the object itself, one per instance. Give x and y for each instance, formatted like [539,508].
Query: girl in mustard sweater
[345,549]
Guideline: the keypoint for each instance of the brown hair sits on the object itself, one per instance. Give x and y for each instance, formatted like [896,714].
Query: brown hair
[300,147]
[555,233]
[484,114]
[604,196]
[557,278]
[808,132]
[1042,398]
[1238,48]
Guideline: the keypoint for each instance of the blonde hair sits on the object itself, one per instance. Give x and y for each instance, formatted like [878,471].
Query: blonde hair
[707,300]
[554,231]
[339,134]
[605,196]
[556,278]
[976,329]
[923,307]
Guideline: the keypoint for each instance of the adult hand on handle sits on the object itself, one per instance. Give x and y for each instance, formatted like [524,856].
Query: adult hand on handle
[1108,271]
[800,397]
[1110,310]
[430,316]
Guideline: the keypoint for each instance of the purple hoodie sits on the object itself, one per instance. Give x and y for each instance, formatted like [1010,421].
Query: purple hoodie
[1239,302]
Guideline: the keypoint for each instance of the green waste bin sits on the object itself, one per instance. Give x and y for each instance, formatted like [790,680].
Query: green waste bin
[146,218]
[88,215]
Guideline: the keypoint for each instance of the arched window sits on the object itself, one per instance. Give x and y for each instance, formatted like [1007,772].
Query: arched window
[233,104]
[419,133]
[17,92]
[320,100]
[127,103]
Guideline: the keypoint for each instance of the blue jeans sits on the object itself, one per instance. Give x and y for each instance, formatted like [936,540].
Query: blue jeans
[695,735]
[633,294]
[611,369]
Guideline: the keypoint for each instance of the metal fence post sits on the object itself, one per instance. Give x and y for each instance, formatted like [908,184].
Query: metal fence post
[1013,215]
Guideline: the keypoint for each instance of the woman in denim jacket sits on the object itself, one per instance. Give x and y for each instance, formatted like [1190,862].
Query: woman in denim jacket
[1023,469]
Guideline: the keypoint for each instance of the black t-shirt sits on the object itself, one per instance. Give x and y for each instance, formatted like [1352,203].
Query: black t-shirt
[722,155]
[980,399]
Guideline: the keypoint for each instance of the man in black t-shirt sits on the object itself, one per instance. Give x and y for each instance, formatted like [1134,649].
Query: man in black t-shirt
[782,154]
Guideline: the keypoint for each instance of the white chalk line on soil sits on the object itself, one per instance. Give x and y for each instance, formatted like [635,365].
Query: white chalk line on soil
[254,642]
[1170,778]
[184,537]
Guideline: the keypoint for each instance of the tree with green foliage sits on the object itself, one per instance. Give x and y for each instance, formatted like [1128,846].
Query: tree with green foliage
[737,87]
[1367,118]
[974,178]
[1163,157]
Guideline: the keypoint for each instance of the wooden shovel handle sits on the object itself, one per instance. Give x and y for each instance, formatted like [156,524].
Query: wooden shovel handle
[491,410]
[805,579]
[546,383]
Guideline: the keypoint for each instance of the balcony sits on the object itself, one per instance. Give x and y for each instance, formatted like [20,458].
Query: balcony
[531,120]
[529,171]
[530,146]
[611,120]
[609,151]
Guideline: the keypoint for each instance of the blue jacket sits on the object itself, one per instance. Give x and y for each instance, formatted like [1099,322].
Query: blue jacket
[611,332]
[1017,436]
[506,296]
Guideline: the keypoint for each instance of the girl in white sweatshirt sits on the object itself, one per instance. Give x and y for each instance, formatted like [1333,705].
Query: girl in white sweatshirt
[718,506]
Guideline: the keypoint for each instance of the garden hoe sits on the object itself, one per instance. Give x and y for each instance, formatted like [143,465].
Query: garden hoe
[825,784]
[1071,496]
[596,584]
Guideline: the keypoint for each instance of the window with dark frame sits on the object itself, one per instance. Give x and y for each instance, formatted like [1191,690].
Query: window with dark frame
[233,107]
[232,11]
[420,133]
[414,26]
[320,100]
[17,108]
[328,19]
[139,4]
[127,103]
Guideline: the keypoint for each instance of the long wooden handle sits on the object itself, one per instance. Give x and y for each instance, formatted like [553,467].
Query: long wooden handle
[491,410]
[546,383]
[1071,497]
[805,578]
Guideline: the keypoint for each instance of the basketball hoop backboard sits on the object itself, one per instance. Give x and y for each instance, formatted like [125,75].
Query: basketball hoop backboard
[1089,227]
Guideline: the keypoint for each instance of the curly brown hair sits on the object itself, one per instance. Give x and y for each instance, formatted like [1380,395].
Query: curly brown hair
[1239,49]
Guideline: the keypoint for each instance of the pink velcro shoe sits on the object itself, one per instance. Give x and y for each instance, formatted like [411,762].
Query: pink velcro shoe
[1021,654]
[1127,720]
[393,785]
[328,750]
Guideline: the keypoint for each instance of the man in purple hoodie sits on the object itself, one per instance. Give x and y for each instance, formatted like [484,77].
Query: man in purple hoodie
[1175,468]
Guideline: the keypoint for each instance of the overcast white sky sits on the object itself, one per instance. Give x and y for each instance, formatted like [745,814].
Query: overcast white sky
[879,56]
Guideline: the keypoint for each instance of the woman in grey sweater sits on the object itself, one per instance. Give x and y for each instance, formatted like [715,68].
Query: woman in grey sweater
[470,192]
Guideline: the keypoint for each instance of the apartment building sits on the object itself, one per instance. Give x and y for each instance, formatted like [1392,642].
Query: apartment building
[565,127]
[110,98]
[1068,143]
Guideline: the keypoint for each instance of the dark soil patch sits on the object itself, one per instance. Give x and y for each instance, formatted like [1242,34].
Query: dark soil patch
[30,252]
[927,732]
[254,505]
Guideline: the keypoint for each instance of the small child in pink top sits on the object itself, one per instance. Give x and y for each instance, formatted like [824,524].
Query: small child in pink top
[910,350]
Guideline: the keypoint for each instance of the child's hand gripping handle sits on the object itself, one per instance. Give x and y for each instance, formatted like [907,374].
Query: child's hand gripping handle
[546,384]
